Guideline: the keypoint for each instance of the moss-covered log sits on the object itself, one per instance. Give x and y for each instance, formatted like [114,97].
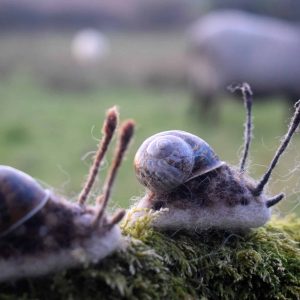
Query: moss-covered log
[262,264]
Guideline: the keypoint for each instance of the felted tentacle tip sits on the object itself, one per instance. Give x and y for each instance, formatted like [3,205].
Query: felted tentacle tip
[245,87]
[127,131]
[111,121]
[272,201]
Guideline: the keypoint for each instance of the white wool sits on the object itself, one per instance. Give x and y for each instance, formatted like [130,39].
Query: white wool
[93,250]
[219,216]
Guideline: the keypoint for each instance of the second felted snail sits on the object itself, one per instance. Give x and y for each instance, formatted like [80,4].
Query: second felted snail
[195,189]
[41,232]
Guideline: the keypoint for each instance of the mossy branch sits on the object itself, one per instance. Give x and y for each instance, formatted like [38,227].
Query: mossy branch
[263,264]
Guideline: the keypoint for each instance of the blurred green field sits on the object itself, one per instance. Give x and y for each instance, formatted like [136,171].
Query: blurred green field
[47,132]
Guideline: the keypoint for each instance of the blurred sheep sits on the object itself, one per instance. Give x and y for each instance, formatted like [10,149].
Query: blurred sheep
[234,46]
[89,46]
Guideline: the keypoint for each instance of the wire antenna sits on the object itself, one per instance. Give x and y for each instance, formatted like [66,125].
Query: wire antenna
[126,133]
[284,143]
[248,100]
[108,129]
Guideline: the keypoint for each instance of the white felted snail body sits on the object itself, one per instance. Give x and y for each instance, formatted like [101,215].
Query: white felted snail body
[183,175]
[41,232]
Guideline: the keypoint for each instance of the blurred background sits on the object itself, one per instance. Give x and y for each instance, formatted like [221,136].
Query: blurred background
[166,64]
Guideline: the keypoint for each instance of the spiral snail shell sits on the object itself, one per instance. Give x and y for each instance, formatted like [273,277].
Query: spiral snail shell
[170,158]
[21,197]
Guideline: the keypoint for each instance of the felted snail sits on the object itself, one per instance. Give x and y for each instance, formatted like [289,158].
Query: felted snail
[41,232]
[182,173]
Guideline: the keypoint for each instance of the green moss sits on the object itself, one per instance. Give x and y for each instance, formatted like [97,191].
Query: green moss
[263,264]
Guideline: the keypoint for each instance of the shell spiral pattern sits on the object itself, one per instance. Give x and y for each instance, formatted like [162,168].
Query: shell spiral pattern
[171,158]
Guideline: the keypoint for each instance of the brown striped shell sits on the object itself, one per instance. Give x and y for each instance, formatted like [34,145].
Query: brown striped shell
[170,158]
[21,197]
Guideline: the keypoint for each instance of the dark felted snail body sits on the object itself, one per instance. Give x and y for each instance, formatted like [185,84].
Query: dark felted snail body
[41,232]
[182,174]
[35,220]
